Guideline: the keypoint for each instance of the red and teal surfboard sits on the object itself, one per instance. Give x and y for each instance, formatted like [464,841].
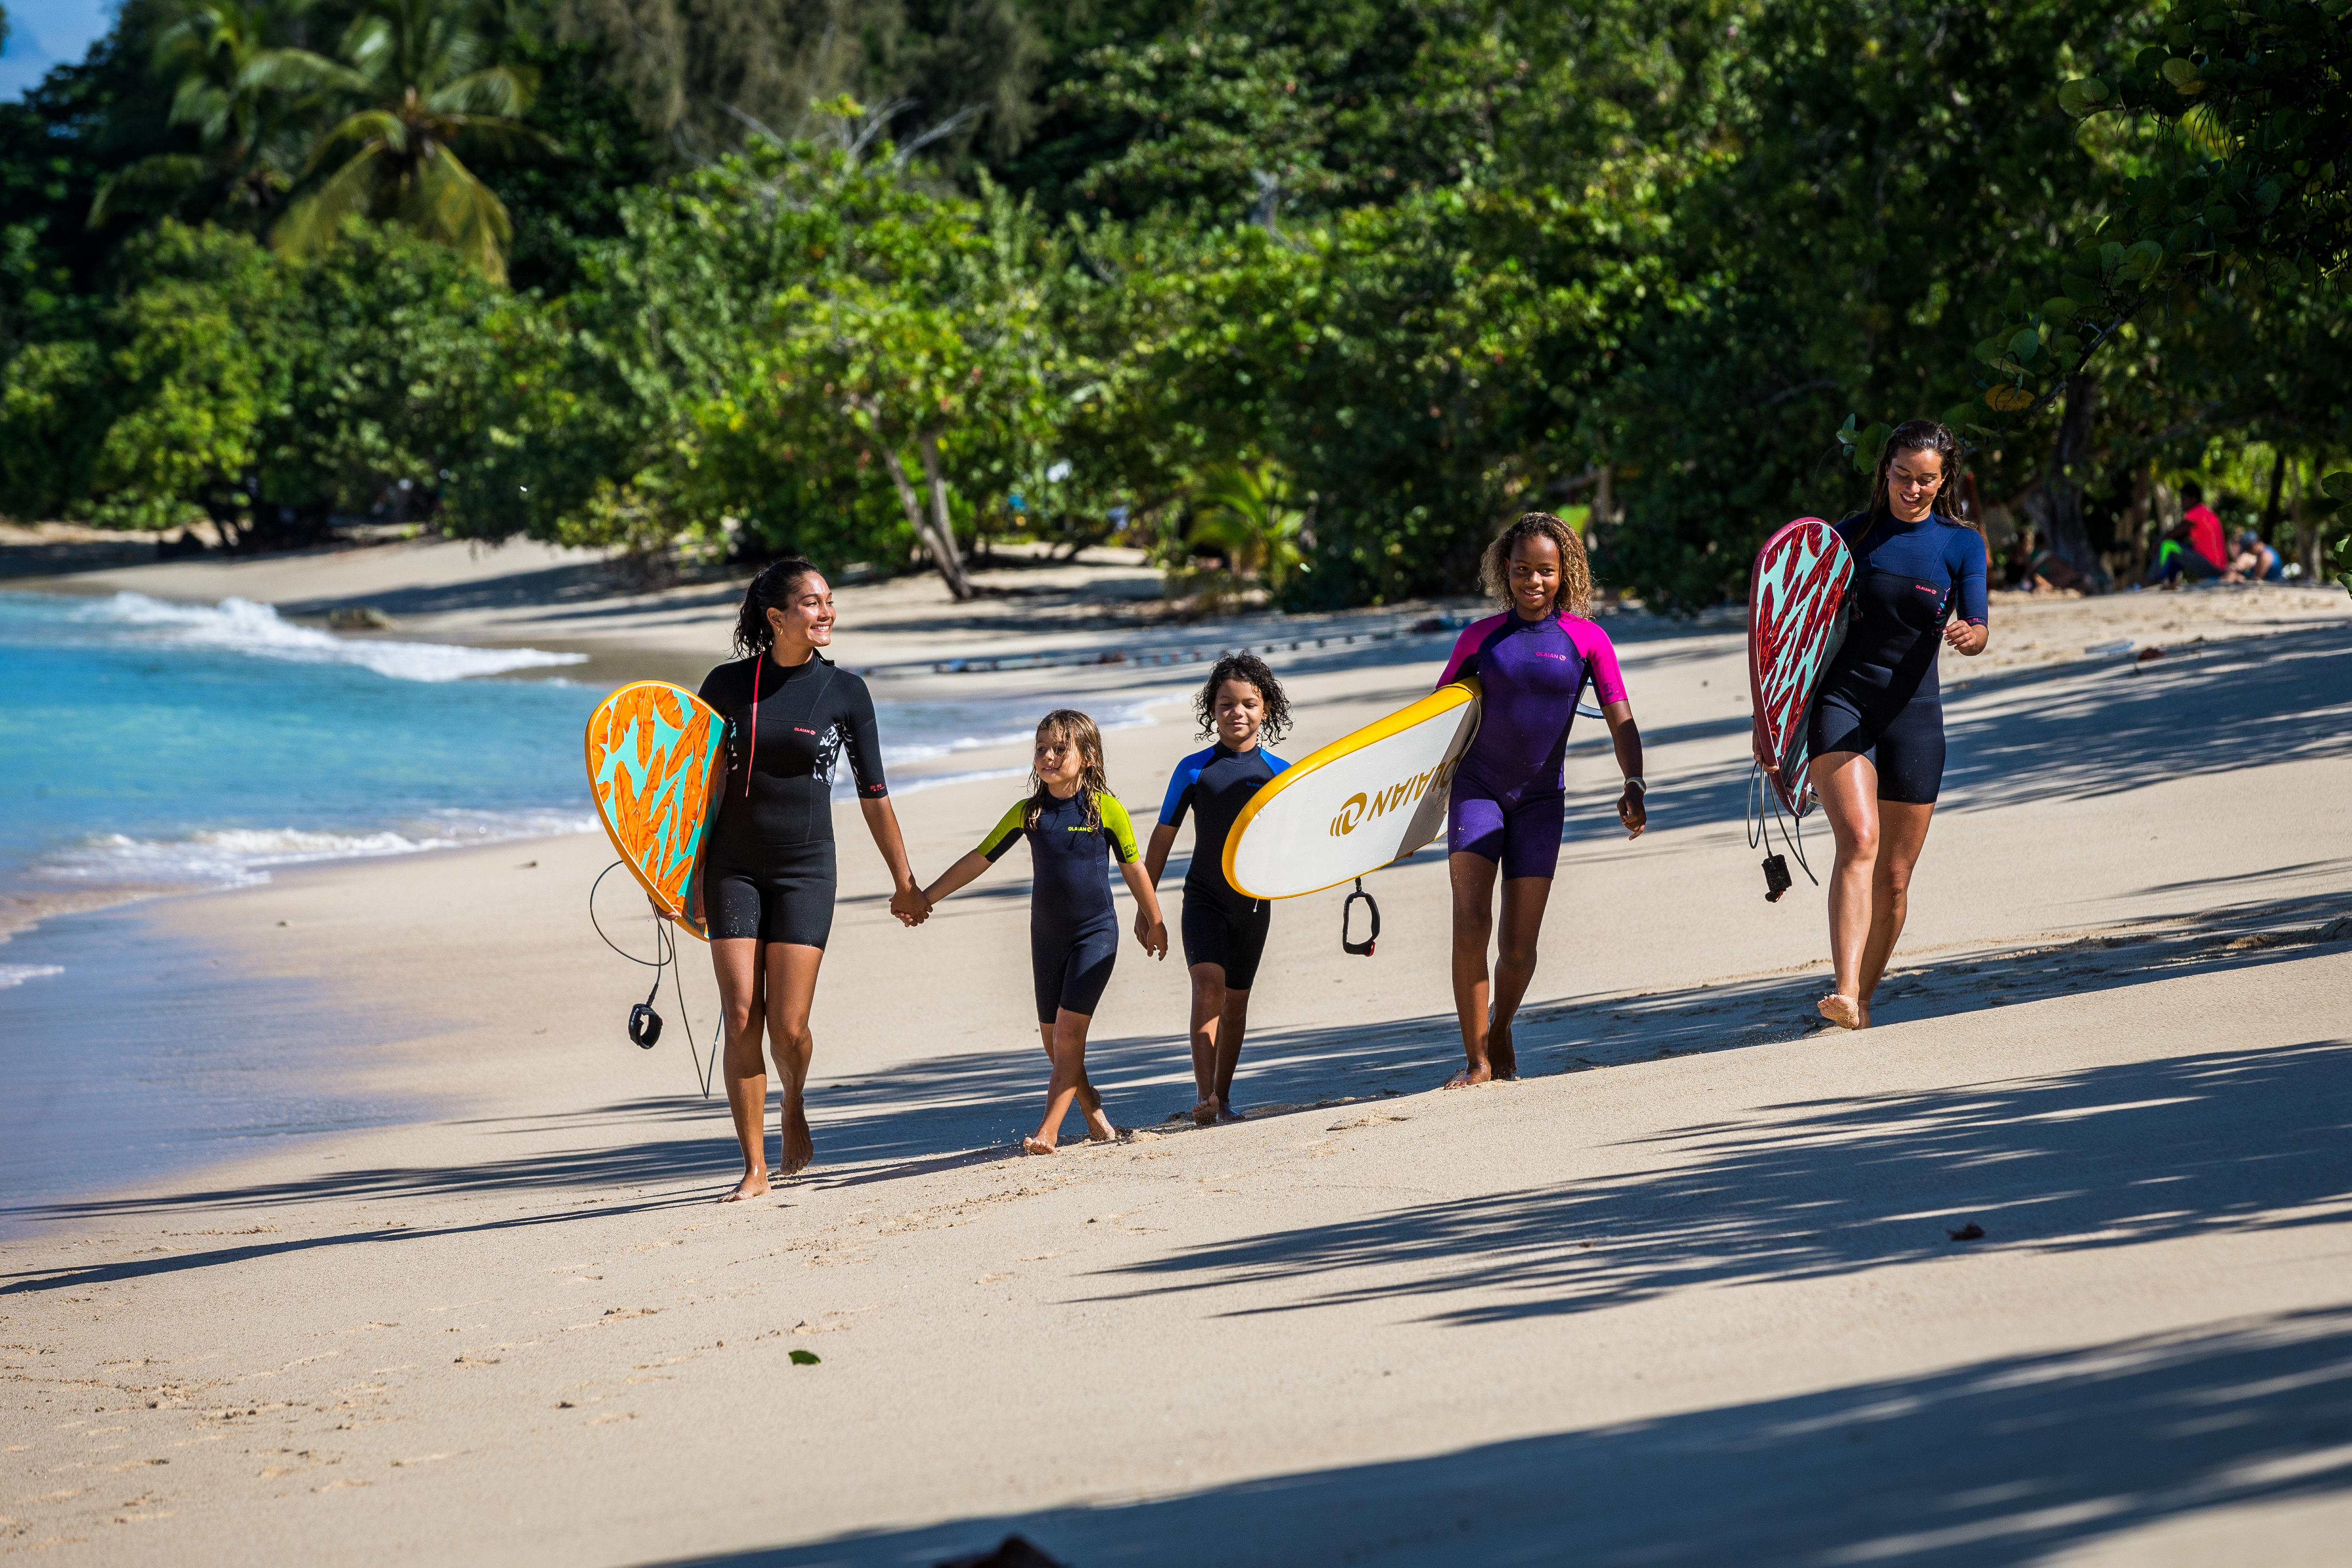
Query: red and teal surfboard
[1797,603]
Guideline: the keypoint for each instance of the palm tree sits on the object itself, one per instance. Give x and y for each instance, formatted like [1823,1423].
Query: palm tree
[1246,510]
[421,71]
[242,96]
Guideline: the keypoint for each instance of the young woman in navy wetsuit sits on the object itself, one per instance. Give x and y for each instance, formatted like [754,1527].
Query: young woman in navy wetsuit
[1509,800]
[766,883]
[1876,734]
[1225,932]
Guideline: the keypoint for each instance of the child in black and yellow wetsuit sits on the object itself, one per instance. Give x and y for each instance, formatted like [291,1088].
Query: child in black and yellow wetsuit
[1075,826]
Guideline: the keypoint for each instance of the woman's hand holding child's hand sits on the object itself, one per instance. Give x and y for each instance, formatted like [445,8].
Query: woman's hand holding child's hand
[912,907]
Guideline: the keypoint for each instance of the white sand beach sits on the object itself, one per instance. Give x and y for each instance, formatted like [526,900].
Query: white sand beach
[1688,1292]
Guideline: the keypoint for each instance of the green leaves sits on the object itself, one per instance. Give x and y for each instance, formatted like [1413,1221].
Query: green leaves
[804,1358]
[2085,96]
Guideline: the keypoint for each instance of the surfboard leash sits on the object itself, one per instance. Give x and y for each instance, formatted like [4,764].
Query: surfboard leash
[1360,948]
[1761,796]
[644,1023]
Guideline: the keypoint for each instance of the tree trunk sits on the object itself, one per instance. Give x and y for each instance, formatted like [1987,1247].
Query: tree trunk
[2134,532]
[2271,512]
[943,525]
[943,552]
[2061,495]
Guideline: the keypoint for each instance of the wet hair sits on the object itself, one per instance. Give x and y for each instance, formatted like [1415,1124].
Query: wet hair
[1575,595]
[1072,728]
[774,586]
[1252,670]
[1920,436]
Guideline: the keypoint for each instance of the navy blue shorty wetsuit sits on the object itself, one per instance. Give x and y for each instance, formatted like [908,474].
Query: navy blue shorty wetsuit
[1509,800]
[1881,693]
[768,871]
[1220,925]
[1073,934]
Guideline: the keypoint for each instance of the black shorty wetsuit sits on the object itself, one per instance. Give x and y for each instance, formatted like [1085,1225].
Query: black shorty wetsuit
[768,872]
[1073,934]
[1221,926]
[1881,693]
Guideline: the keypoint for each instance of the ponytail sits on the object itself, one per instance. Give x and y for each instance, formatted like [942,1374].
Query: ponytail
[775,584]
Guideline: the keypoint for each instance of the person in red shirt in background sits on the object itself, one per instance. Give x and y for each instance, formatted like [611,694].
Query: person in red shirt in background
[2205,532]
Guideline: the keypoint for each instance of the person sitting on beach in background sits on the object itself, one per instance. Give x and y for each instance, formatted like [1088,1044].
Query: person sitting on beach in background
[1224,930]
[767,876]
[1508,800]
[1074,825]
[2205,533]
[2178,559]
[2257,562]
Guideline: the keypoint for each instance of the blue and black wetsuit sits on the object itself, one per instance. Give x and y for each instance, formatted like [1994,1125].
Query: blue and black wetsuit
[1222,925]
[769,872]
[1072,932]
[1881,693]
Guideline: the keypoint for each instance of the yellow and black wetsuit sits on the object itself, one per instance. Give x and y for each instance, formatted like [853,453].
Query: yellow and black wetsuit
[1073,934]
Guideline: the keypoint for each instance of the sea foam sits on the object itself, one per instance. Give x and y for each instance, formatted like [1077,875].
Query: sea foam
[243,625]
[18,974]
[240,856]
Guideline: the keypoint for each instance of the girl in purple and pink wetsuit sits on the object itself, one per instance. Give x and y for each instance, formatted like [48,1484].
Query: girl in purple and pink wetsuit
[1509,798]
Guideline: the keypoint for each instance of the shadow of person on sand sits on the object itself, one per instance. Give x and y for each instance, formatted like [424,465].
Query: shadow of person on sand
[1999,1461]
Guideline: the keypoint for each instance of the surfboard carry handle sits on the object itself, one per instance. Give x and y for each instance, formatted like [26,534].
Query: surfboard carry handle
[1362,949]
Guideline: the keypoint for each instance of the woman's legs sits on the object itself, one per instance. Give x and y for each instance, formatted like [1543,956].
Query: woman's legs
[736,962]
[791,990]
[1847,784]
[1901,834]
[1066,1047]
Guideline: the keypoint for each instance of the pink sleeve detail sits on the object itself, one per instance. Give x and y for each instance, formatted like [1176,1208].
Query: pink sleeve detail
[1600,657]
[1464,646]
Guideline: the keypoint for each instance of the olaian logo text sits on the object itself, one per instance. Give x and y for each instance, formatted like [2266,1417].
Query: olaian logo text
[1363,807]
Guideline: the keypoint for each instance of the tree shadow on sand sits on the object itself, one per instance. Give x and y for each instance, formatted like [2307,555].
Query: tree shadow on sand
[2004,1460]
[2105,1157]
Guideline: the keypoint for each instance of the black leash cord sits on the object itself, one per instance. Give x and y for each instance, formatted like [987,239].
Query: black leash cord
[1761,796]
[644,1023]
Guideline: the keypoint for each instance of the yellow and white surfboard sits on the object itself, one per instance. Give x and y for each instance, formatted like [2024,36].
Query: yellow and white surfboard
[1362,801]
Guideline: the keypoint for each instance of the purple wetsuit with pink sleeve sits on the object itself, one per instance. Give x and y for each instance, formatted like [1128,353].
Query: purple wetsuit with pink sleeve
[1510,801]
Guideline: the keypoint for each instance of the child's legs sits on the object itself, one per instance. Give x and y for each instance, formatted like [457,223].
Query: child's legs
[1065,1046]
[1208,1013]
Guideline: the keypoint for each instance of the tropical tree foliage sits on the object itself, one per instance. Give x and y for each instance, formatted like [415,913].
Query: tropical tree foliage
[1337,290]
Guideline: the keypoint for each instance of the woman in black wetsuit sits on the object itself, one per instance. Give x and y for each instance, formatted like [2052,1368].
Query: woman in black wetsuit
[1876,733]
[766,882]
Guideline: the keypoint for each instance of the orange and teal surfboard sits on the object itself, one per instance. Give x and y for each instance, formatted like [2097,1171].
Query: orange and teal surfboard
[657,755]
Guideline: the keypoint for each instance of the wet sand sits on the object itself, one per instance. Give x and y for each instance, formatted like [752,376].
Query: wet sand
[1687,1292]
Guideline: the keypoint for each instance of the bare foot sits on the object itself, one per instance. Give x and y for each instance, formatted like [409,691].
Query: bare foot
[1205,1113]
[799,1147]
[1099,1128]
[1844,1011]
[1468,1076]
[1502,1058]
[1226,1113]
[753,1184]
[1037,1146]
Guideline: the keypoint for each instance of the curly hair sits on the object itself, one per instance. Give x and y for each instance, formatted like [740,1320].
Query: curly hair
[1073,727]
[777,583]
[1920,436]
[1575,595]
[1251,669]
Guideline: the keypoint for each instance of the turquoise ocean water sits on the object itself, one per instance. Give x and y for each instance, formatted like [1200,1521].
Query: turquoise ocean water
[155,747]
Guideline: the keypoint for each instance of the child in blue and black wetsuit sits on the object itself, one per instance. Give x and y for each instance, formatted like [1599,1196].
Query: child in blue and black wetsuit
[1225,932]
[1075,828]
